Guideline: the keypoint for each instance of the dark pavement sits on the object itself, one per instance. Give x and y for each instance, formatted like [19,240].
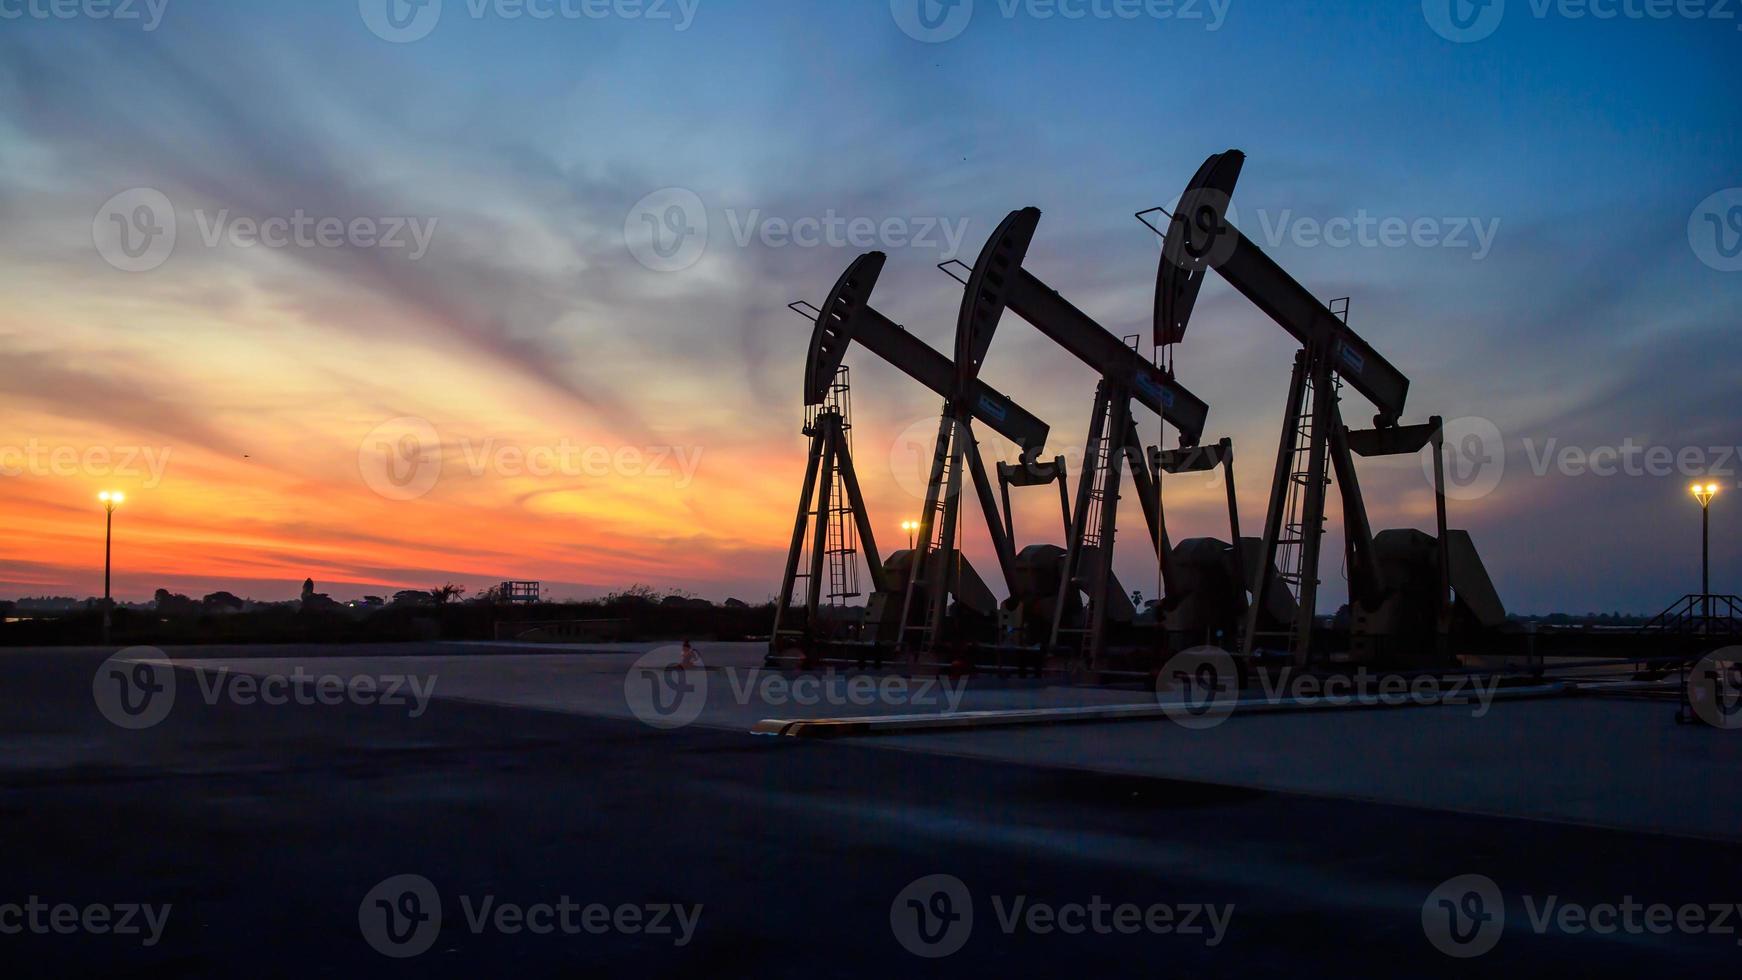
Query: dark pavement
[265,828]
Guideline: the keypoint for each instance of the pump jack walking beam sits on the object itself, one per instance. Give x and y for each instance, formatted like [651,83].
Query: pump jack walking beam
[1200,238]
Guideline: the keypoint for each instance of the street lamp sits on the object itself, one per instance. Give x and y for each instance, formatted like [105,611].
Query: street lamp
[1704,493]
[910,527]
[111,499]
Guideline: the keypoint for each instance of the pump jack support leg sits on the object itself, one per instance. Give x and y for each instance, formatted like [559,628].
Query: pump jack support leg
[1079,527]
[1444,595]
[1313,510]
[922,539]
[949,557]
[1064,496]
[1148,487]
[995,527]
[1273,516]
[1234,524]
[1004,495]
[1121,416]
[1366,579]
[861,516]
[796,551]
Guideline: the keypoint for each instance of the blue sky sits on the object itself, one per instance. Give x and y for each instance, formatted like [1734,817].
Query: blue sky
[1590,320]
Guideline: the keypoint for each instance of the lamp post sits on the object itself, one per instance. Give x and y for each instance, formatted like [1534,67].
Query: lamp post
[910,527]
[111,500]
[1704,493]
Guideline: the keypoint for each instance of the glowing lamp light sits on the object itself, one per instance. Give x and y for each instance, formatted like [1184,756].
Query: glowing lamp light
[1704,492]
[113,498]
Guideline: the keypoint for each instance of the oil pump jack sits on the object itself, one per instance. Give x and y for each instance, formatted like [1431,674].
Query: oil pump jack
[845,318]
[1401,583]
[998,282]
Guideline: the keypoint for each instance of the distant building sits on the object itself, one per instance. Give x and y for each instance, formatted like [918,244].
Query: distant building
[520,593]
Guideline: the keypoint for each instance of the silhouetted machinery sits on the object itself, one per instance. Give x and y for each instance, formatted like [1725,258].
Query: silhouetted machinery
[998,282]
[1408,591]
[832,507]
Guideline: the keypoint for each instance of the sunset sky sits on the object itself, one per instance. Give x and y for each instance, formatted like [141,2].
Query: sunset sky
[599,418]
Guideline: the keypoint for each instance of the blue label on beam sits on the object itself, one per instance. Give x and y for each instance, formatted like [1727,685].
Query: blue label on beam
[1156,390]
[1352,357]
[993,409]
